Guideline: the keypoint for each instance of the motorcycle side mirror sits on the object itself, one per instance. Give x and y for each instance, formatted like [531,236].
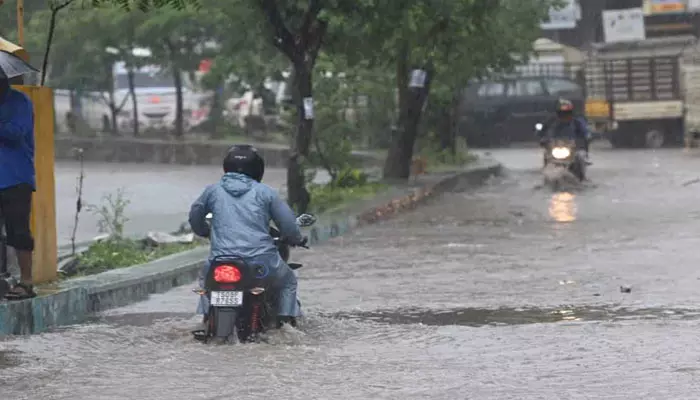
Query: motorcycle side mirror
[306,220]
[538,126]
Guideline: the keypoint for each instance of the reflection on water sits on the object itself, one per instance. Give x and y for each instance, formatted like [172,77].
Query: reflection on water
[562,207]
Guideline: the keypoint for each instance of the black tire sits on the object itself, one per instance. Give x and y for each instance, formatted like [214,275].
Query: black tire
[577,170]
[618,142]
[213,330]
[654,139]
[265,318]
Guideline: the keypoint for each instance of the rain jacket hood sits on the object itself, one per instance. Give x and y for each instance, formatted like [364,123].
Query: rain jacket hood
[242,209]
[237,184]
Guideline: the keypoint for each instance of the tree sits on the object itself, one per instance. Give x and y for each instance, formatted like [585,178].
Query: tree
[179,41]
[298,32]
[243,61]
[430,40]
[88,66]
[147,5]
[54,7]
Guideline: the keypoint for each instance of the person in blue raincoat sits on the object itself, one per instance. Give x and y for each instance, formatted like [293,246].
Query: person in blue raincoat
[242,208]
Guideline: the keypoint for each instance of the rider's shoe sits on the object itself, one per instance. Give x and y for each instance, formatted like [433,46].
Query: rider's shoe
[291,321]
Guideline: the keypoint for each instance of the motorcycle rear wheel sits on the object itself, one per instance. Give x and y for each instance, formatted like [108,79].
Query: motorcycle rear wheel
[222,324]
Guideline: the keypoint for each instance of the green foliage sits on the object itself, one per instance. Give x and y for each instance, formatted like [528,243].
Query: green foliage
[146,5]
[351,178]
[112,214]
[325,198]
[119,253]
[439,157]
[369,47]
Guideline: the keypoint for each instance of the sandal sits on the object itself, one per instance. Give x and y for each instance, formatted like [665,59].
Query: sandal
[27,292]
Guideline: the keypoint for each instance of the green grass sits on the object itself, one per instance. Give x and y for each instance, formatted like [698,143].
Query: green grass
[325,198]
[120,253]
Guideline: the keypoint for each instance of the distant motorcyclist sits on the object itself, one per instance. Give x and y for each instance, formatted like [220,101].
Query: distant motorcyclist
[242,209]
[565,125]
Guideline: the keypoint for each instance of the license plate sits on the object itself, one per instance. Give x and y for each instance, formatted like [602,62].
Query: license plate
[226,299]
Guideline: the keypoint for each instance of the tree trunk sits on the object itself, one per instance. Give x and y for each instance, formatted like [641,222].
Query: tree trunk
[297,195]
[113,127]
[411,102]
[177,79]
[445,128]
[179,106]
[216,113]
[134,100]
[454,119]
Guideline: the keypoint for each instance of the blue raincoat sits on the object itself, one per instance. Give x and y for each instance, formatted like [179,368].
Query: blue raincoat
[242,209]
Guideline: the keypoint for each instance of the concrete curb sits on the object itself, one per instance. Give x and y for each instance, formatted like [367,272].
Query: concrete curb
[74,300]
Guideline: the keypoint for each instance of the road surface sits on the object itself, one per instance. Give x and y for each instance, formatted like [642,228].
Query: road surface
[507,292]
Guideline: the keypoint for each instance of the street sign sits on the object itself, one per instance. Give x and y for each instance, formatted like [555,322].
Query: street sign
[563,18]
[693,6]
[655,7]
[623,25]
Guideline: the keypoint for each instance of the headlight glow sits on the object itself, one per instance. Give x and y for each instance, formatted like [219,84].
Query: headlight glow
[561,153]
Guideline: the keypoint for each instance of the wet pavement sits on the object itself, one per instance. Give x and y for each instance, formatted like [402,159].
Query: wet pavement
[159,195]
[507,292]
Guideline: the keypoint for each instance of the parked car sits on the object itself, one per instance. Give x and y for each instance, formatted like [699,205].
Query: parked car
[500,112]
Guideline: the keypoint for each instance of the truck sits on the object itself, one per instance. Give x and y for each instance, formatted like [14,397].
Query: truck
[643,94]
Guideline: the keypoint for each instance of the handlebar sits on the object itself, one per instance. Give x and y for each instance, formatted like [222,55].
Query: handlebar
[284,241]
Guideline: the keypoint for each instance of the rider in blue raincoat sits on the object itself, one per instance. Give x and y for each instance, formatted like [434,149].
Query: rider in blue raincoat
[242,209]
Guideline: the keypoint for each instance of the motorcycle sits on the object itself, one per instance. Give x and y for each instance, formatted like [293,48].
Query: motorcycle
[241,305]
[563,154]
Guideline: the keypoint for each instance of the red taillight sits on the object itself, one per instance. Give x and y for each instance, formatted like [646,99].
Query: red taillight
[227,274]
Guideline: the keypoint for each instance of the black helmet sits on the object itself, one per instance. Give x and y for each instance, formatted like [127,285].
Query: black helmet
[244,159]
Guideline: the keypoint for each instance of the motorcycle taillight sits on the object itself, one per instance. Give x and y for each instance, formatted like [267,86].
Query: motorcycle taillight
[227,274]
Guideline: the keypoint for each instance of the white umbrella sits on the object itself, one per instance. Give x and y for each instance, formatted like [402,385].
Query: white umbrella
[12,66]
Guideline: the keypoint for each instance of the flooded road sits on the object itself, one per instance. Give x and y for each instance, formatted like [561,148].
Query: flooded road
[507,292]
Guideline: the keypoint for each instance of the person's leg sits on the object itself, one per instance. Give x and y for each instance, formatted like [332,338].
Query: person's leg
[285,282]
[203,304]
[17,207]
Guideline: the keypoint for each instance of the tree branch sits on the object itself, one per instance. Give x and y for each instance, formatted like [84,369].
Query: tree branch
[284,40]
[55,8]
[311,14]
[121,106]
[105,99]
[319,35]
[60,6]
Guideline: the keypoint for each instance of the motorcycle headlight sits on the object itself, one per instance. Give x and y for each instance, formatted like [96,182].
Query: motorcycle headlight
[561,153]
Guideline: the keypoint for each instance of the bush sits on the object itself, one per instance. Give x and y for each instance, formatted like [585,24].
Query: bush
[436,156]
[327,197]
[349,178]
[119,253]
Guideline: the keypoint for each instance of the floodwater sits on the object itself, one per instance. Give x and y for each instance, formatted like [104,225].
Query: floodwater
[507,292]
